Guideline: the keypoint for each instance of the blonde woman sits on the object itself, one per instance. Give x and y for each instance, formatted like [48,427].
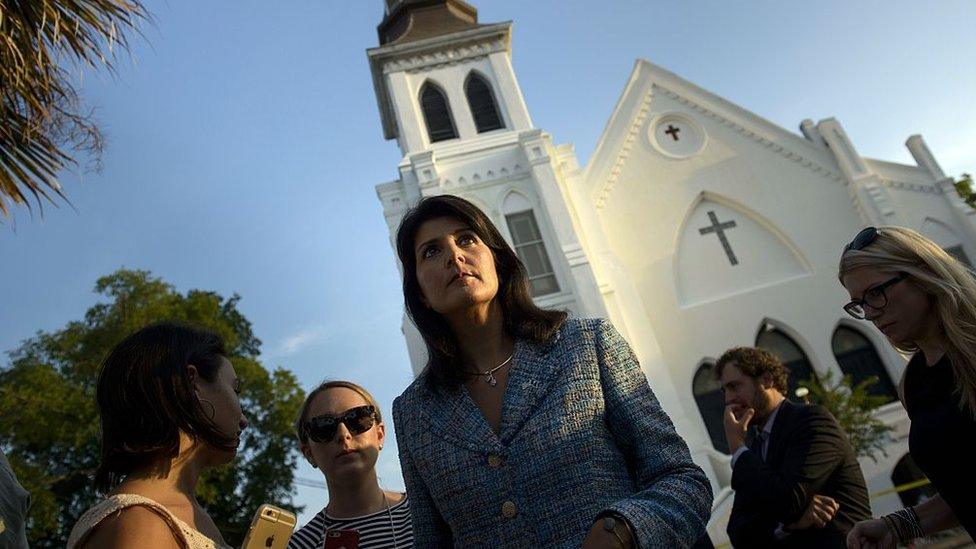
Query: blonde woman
[924,301]
[342,433]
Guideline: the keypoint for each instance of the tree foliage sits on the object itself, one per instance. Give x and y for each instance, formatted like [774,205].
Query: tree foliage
[42,126]
[853,406]
[964,186]
[50,427]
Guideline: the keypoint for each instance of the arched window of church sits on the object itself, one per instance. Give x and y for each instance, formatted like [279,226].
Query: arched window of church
[437,113]
[482,103]
[907,474]
[859,359]
[787,350]
[711,404]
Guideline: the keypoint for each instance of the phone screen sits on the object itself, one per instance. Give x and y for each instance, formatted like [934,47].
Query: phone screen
[341,539]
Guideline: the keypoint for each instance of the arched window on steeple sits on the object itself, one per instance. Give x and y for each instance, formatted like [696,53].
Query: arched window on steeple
[437,113]
[481,100]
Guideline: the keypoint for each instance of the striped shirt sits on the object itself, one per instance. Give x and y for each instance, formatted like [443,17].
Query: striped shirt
[374,529]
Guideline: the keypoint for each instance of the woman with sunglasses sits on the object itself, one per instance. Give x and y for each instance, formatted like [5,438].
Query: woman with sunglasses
[527,429]
[341,434]
[168,405]
[924,301]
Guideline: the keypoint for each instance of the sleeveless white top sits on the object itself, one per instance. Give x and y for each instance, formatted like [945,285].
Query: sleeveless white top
[183,532]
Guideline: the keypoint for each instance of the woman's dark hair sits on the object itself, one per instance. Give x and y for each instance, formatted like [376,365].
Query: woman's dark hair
[145,398]
[523,319]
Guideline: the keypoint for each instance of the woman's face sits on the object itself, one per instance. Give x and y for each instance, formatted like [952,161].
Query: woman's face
[455,268]
[346,455]
[909,315]
[222,393]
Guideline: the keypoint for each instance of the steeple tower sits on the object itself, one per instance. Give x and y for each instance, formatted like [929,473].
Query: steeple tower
[447,93]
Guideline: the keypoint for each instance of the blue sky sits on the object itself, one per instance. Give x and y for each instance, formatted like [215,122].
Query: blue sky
[244,145]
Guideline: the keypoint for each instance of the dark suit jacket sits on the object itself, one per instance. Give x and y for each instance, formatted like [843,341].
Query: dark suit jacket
[808,454]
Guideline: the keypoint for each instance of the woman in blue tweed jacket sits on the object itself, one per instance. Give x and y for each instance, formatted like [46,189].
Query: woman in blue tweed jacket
[527,429]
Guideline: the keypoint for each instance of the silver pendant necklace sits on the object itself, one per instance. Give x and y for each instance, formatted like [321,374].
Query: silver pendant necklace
[490,374]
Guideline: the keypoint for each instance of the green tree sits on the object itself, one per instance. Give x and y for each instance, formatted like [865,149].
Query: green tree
[42,125]
[853,406]
[50,424]
[964,186]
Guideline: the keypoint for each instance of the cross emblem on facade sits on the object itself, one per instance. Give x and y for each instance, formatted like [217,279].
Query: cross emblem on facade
[719,229]
[672,131]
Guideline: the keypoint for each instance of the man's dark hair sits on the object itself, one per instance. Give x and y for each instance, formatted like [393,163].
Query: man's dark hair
[145,398]
[523,319]
[755,363]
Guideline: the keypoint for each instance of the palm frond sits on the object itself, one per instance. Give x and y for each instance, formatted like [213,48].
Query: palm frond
[40,124]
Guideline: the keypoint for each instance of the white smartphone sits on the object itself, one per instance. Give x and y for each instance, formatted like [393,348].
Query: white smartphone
[270,529]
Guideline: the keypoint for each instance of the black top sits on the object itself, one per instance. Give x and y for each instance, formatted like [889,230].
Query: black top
[939,433]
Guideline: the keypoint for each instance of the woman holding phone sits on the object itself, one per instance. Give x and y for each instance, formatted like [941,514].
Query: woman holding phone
[341,433]
[168,405]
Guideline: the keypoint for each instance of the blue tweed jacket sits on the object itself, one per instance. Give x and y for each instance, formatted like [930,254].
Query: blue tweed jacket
[581,432]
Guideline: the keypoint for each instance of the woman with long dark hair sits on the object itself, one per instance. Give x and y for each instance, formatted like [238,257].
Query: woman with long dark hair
[525,428]
[924,301]
[168,405]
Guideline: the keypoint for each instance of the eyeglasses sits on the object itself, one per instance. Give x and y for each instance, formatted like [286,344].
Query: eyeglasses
[874,297]
[863,239]
[358,420]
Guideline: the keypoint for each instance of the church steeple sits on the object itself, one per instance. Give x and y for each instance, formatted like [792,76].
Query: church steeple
[411,20]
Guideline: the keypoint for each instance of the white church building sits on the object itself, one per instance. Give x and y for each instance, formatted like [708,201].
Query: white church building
[697,225]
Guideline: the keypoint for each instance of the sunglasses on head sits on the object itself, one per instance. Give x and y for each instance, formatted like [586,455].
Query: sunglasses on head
[358,420]
[863,239]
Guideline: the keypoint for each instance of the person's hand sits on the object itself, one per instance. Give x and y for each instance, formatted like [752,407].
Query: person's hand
[818,513]
[736,428]
[598,538]
[871,534]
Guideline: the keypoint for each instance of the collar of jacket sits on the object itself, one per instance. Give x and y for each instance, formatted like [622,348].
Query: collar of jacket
[453,415]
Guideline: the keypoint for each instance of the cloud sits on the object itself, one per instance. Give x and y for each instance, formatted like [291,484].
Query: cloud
[301,340]
[317,334]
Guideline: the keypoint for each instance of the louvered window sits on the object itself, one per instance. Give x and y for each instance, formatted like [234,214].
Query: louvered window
[482,104]
[437,114]
[532,251]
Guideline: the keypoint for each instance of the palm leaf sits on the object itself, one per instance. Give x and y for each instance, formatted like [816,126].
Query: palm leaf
[41,129]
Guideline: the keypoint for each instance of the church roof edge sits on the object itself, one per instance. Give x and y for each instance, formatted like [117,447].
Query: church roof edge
[646,75]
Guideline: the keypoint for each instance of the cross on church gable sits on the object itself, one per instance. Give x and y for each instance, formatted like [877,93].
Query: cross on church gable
[672,131]
[719,229]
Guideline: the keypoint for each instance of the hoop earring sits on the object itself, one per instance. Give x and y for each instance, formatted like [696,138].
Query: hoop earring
[213,411]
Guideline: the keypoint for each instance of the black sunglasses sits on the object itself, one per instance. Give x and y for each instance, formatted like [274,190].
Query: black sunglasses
[358,420]
[863,239]
[874,297]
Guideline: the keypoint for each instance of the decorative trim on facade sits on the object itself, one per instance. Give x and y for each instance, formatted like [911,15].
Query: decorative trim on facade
[445,58]
[607,187]
[906,186]
[876,191]
[772,145]
[489,176]
[635,130]
[575,255]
